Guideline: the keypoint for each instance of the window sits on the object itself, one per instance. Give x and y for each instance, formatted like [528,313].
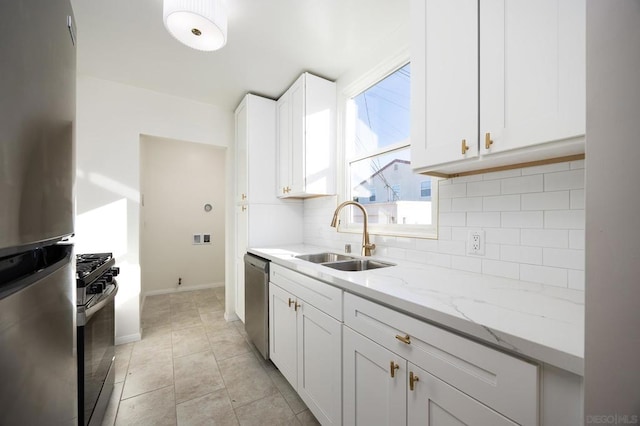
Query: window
[377,165]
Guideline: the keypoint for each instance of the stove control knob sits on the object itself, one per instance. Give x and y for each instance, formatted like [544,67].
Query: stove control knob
[108,278]
[115,271]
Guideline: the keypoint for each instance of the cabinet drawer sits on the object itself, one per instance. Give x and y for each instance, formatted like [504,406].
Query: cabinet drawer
[505,383]
[321,295]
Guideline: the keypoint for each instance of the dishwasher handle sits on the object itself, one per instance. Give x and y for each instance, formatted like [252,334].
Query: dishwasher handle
[256,262]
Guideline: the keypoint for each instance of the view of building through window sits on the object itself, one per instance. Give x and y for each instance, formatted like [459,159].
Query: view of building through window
[378,155]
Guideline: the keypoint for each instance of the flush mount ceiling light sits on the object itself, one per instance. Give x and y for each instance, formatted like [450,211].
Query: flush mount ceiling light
[200,24]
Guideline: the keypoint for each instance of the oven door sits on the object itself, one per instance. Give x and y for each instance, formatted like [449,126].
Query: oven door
[96,355]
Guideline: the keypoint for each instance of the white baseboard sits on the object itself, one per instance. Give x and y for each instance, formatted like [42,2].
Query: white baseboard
[128,339]
[178,290]
[229,317]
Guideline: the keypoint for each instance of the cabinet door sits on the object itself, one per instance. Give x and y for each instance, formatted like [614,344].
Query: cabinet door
[284,144]
[283,333]
[532,72]
[241,152]
[320,364]
[435,403]
[298,140]
[371,395]
[444,81]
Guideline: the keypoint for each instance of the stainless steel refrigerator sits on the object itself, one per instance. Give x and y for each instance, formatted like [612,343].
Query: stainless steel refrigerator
[38,378]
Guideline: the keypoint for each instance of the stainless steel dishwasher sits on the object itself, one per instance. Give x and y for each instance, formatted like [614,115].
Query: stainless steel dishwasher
[256,302]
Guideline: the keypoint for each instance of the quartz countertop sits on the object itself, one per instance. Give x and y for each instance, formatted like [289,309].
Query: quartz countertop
[540,322]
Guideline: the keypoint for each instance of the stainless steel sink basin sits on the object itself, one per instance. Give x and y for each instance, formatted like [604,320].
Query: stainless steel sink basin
[358,265]
[323,257]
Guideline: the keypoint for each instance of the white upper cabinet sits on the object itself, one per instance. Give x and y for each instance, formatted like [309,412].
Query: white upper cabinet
[307,138]
[514,71]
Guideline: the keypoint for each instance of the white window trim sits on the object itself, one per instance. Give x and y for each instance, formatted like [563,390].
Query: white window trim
[374,75]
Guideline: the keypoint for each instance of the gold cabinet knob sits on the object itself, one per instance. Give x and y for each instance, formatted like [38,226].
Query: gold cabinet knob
[244,196]
[465,147]
[412,380]
[284,190]
[406,339]
[392,368]
[296,306]
[244,208]
[487,141]
[290,302]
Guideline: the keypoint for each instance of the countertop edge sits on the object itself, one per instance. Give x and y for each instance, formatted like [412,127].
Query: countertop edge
[510,343]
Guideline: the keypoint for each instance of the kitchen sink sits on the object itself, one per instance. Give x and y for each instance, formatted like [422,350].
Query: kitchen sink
[358,265]
[324,257]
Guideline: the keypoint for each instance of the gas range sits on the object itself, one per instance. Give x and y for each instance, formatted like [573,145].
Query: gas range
[95,277]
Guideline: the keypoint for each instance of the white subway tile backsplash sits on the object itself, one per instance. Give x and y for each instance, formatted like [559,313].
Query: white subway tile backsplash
[564,219]
[484,219]
[439,259]
[563,258]
[573,179]
[557,200]
[531,219]
[576,280]
[578,164]
[521,254]
[501,203]
[501,269]
[473,204]
[452,219]
[576,239]
[453,190]
[503,235]
[480,189]
[502,174]
[544,275]
[452,247]
[546,168]
[521,185]
[464,263]
[577,199]
[545,238]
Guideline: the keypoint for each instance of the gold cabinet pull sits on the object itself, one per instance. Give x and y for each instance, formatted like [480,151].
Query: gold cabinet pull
[404,339]
[465,147]
[284,190]
[288,189]
[296,306]
[487,141]
[290,302]
[392,369]
[244,196]
[244,208]
[412,380]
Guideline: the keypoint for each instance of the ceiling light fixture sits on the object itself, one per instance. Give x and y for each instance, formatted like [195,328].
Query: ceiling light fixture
[200,24]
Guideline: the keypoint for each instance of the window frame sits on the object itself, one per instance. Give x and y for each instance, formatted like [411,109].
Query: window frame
[359,85]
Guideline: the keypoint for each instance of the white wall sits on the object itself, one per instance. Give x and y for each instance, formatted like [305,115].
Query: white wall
[177,179]
[533,220]
[110,119]
[612,341]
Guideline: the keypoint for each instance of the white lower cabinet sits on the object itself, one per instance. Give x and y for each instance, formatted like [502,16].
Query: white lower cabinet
[443,378]
[306,346]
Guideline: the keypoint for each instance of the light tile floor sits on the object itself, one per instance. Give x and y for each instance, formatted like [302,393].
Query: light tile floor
[194,368]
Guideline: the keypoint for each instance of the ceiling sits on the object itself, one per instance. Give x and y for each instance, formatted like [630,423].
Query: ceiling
[270,42]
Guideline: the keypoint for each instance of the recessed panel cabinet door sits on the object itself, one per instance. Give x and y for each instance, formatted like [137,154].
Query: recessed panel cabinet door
[283,107]
[433,402]
[241,153]
[371,395]
[298,136]
[320,364]
[444,81]
[283,332]
[532,72]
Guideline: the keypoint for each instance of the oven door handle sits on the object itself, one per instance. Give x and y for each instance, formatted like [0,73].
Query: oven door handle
[85,316]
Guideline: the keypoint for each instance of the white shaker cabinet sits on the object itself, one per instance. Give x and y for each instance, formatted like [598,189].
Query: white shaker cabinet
[517,67]
[305,343]
[261,218]
[307,138]
[446,379]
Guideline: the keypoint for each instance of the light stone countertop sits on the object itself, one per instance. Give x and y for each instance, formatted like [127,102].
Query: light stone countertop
[539,322]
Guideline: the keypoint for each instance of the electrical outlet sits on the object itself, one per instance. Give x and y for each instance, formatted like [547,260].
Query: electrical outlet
[197,239]
[475,243]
